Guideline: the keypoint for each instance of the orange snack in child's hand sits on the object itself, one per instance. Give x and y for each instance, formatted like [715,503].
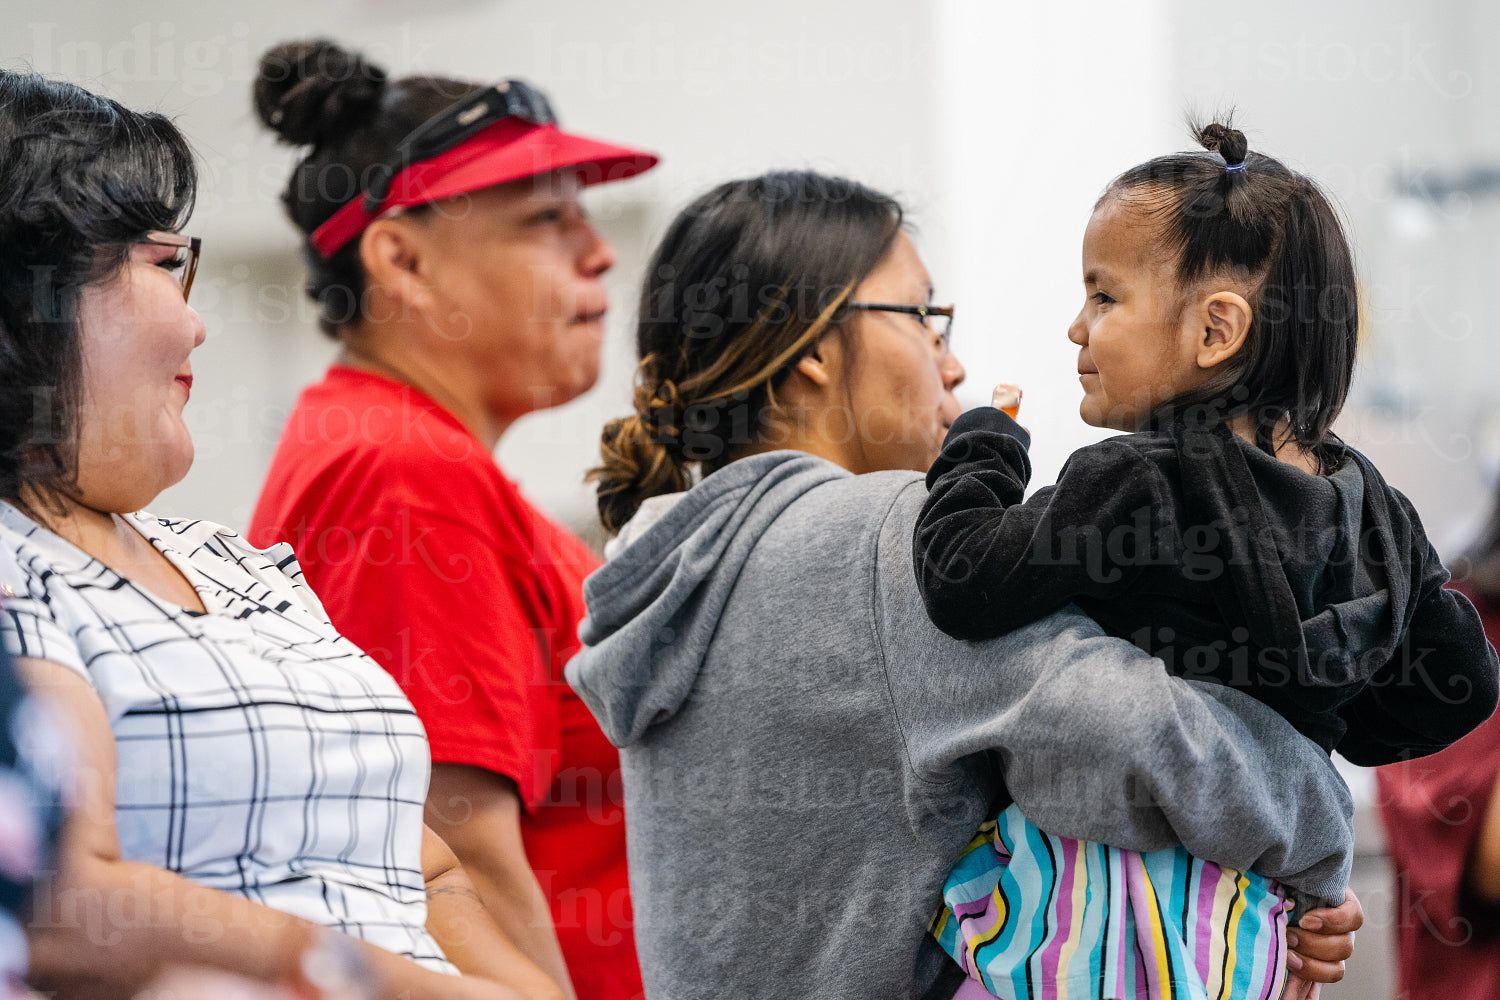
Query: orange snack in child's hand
[1007,399]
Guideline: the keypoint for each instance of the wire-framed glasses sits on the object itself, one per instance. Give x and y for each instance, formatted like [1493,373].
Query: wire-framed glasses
[937,319]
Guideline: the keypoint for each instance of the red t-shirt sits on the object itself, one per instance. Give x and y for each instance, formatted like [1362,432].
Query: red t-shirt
[1448,945]
[427,557]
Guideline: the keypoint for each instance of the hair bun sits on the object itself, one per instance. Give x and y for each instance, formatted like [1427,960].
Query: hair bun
[1229,141]
[311,92]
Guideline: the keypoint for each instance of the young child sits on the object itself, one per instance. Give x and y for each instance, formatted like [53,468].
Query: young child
[1230,533]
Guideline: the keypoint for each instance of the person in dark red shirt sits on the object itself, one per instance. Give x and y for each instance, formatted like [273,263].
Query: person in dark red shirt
[1442,825]
[450,258]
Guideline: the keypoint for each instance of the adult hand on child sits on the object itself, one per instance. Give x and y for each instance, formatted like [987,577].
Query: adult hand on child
[1318,946]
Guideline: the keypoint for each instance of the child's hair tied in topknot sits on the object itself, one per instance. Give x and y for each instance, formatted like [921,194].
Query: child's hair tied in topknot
[1224,138]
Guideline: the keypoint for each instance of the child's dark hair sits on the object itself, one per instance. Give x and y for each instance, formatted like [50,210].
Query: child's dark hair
[1248,216]
[81,178]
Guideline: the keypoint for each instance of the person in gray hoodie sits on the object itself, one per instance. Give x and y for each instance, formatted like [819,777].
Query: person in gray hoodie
[804,755]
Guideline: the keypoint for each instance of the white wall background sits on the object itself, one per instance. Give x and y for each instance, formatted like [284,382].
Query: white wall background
[997,121]
[1357,94]
[1036,113]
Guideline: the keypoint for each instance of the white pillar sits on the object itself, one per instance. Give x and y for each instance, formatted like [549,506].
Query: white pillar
[1038,107]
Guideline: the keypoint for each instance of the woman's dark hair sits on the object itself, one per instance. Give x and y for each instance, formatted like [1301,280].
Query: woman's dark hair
[746,280]
[81,178]
[317,94]
[1247,216]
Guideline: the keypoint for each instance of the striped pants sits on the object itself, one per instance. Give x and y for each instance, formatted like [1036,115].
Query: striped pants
[1030,915]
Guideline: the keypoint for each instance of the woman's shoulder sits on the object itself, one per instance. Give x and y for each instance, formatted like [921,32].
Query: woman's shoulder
[38,574]
[872,517]
[847,514]
[29,550]
[16,530]
[362,416]
[789,510]
[355,440]
[13,578]
[870,497]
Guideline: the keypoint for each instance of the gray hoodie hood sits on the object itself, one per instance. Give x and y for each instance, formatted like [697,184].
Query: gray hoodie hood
[654,607]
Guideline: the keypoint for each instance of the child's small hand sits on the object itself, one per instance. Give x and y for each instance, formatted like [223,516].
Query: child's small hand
[1007,399]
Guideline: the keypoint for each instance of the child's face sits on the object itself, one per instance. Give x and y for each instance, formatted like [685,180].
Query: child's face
[1138,344]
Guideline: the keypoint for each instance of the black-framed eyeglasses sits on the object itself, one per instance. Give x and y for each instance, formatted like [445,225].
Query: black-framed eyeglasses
[183,264]
[938,319]
[448,128]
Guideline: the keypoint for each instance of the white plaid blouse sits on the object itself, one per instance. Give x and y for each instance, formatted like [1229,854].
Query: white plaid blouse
[260,752]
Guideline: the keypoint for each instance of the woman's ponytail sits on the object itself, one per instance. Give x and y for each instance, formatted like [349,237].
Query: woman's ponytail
[641,456]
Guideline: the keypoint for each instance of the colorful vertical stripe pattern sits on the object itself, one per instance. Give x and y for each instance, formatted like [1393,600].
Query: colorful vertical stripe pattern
[1031,916]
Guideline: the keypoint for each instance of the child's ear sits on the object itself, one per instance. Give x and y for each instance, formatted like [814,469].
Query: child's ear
[1226,320]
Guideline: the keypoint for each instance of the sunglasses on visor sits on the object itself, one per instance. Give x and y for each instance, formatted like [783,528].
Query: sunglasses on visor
[442,132]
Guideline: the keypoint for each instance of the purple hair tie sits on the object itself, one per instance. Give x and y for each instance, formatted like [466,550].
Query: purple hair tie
[1234,168]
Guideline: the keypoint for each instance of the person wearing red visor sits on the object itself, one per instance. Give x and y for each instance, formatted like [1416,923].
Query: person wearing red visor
[450,259]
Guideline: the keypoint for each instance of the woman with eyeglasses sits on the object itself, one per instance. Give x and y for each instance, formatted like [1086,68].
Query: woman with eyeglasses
[451,260]
[246,781]
[804,755]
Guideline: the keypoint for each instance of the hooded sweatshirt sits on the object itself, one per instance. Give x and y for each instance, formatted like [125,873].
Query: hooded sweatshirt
[805,756]
[1319,595]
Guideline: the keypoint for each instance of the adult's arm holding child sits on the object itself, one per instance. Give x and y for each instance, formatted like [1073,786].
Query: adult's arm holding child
[1095,741]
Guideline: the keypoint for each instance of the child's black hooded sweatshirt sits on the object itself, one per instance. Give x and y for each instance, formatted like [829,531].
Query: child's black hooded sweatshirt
[1319,595]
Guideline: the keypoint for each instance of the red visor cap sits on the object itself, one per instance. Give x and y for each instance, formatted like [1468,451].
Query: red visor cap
[509,150]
